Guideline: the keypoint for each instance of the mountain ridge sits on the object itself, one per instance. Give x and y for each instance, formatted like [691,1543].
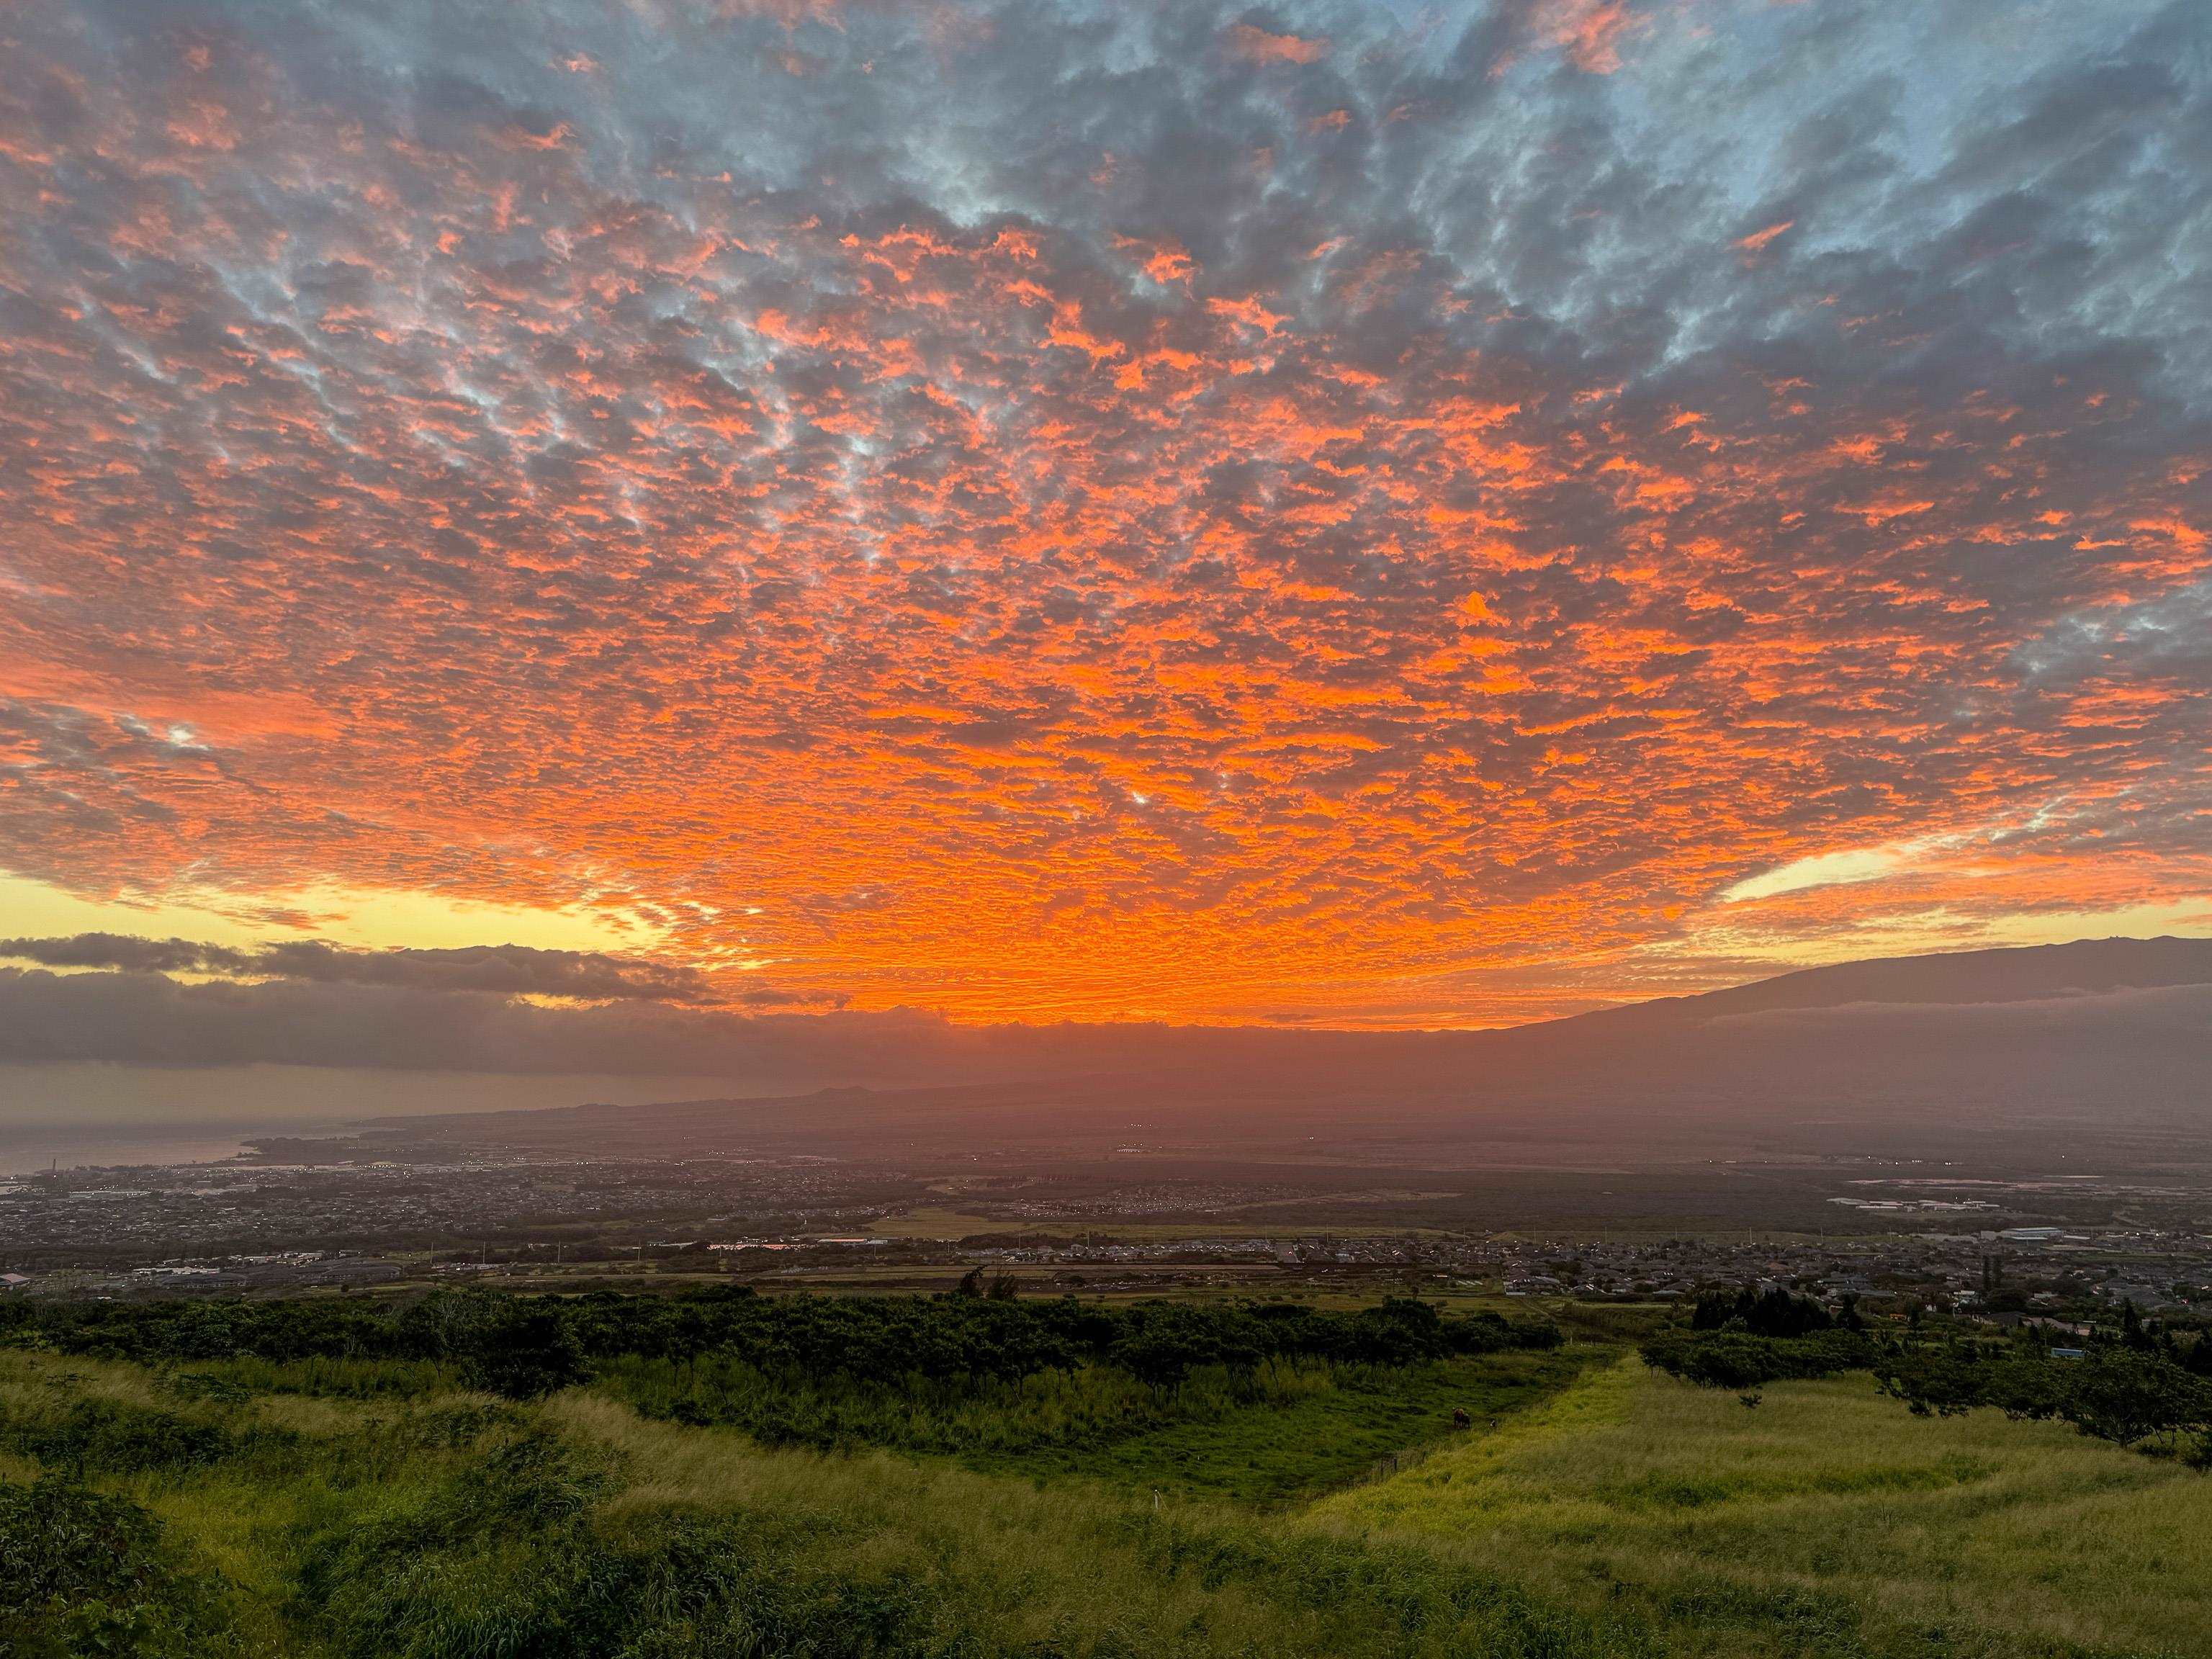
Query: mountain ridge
[2021,973]
[2092,1039]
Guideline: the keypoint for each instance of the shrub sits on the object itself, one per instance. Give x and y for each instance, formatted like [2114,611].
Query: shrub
[1773,1312]
[524,1354]
[1737,1360]
[513,1555]
[522,1348]
[81,1573]
[118,1438]
[2113,1392]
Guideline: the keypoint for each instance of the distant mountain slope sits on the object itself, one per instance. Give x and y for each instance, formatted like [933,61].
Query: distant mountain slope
[2032,972]
[2086,1045]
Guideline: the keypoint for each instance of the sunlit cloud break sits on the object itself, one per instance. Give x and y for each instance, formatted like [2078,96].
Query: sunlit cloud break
[1821,870]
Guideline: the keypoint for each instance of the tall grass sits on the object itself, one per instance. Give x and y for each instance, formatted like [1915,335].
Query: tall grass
[1080,1569]
[318,1377]
[455,1527]
[1821,1508]
[1087,1405]
[1284,1430]
[1626,1517]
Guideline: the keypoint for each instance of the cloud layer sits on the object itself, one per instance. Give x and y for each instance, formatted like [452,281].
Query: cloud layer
[1196,511]
[2105,1043]
[138,1015]
[502,969]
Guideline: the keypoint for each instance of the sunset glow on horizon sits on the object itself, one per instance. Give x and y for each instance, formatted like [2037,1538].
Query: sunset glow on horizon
[1351,514]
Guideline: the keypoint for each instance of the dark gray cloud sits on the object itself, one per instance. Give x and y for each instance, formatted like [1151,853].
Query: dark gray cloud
[499,969]
[2104,1045]
[141,1017]
[148,1018]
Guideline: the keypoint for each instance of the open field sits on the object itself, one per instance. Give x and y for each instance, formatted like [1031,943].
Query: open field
[1826,1504]
[452,1525]
[1306,1442]
[929,1222]
[343,1507]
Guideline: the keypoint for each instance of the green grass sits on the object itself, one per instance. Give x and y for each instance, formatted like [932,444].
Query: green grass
[1301,1444]
[1615,1514]
[1288,1429]
[1825,1512]
[323,1378]
[408,1529]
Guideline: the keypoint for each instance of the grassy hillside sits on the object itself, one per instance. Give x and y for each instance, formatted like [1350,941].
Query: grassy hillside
[1282,1431]
[344,1508]
[442,1525]
[1823,1511]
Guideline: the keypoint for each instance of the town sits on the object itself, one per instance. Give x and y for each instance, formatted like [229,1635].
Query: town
[253,1226]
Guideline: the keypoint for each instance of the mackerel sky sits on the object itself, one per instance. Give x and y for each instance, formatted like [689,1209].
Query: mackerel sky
[1358,515]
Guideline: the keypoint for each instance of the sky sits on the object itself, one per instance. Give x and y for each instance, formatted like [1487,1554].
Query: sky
[1367,515]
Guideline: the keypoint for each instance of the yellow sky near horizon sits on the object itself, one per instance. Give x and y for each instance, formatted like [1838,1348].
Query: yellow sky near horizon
[364,918]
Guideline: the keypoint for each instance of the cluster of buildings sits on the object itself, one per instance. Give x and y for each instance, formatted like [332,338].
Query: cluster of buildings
[246,1211]
[2001,1272]
[2005,1273]
[247,1226]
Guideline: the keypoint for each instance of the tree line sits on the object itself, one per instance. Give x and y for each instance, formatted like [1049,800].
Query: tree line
[2128,1384]
[521,1345]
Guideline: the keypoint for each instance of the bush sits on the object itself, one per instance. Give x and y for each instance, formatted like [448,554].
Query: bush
[526,1353]
[2113,1392]
[513,1556]
[522,1348]
[1773,1312]
[1738,1360]
[83,1574]
[118,1438]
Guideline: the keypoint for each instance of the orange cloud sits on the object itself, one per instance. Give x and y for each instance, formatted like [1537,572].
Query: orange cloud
[1183,591]
[1589,32]
[1757,241]
[1256,46]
